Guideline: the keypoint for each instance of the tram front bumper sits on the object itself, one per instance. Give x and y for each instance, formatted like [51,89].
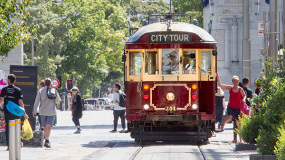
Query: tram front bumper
[171,118]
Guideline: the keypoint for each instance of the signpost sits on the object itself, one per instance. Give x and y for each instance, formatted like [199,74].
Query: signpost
[55,83]
[260,30]
[27,82]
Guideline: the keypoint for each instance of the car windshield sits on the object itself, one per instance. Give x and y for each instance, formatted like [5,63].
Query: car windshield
[90,101]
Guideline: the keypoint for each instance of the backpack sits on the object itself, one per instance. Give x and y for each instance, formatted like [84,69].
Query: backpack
[122,99]
[51,93]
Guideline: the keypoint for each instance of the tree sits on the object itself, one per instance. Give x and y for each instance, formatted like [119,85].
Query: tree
[193,7]
[13,26]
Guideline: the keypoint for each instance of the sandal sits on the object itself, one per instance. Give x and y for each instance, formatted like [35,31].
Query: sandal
[222,128]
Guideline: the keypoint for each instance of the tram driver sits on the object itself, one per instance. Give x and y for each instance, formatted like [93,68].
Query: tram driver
[189,66]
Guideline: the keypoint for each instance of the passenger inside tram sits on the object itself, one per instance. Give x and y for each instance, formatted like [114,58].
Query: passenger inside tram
[189,63]
[170,61]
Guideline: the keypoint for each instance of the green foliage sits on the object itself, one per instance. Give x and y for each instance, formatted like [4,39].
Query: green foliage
[267,140]
[13,25]
[193,7]
[250,127]
[139,10]
[87,46]
[271,106]
[280,145]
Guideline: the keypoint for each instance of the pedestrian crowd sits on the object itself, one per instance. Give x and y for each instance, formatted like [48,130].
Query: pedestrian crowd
[45,107]
[239,102]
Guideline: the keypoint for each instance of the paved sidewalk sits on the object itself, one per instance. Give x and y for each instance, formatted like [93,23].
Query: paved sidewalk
[96,142]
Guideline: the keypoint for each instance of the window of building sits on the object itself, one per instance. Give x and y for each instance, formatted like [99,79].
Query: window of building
[170,61]
[205,62]
[189,62]
[151,63]
[135,63]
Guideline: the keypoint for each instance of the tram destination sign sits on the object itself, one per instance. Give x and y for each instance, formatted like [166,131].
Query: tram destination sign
[164,38]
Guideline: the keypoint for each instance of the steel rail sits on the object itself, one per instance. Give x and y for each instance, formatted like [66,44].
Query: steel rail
[203,153]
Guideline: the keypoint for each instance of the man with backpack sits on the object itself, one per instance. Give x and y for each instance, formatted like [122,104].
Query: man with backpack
[46,100]
[119,99]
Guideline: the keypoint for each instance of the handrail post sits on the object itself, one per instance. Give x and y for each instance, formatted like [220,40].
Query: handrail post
[18,139]
[12,149]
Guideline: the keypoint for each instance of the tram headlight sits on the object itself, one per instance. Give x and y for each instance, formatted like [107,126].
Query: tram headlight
[146,106]
[146,87]
[194,106]
[170,96]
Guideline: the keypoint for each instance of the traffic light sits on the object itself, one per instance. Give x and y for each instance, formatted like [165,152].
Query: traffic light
[69,84]
[59,79]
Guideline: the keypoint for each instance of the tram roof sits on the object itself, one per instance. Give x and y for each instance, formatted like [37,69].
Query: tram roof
[175,27]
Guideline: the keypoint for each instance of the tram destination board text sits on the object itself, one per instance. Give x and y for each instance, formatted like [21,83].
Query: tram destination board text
[164,38]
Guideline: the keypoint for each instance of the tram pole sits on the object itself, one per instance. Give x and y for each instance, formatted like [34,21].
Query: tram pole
[246,54]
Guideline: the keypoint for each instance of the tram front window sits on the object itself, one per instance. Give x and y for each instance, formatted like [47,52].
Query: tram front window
[151,63]
[205,62]
[135,63]
[189,62]
[170,61]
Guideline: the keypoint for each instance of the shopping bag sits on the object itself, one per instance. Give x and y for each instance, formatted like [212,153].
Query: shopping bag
[27,132]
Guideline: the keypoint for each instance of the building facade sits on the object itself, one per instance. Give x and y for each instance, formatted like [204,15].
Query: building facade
[224,19]
[15,57]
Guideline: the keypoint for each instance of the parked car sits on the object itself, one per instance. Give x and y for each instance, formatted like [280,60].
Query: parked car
[92,104]
[106,103]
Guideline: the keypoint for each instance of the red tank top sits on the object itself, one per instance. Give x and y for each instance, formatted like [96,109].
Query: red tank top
[235,100]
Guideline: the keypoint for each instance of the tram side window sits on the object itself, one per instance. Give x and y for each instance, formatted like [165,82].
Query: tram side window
[205,62]
[189,62]
[170,61]
[135,63]
[151,63]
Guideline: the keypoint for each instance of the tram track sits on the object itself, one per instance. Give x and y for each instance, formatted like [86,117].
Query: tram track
[136,153]
[203,153]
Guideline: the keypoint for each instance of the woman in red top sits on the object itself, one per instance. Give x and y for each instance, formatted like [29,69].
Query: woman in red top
[234,101]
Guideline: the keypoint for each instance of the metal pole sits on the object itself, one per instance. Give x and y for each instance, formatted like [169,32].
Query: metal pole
[33,63]
[265,42]
[246,43]
[18,139]
[12,149]
[273,29]
[283,20]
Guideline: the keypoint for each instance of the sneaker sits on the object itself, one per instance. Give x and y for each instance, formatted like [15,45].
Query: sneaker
[113,131]
[123,131]
[77,132]
[47,144]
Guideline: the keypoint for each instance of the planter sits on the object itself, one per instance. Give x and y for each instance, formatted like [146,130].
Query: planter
[245,146]
[262,157]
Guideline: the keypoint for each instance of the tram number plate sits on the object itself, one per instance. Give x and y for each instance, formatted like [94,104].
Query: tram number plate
[170,108]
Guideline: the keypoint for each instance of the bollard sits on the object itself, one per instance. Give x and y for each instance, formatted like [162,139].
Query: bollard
[12,149]
[18,143]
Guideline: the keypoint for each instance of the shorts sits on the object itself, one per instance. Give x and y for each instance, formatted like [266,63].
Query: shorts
[47,120]
[233,112]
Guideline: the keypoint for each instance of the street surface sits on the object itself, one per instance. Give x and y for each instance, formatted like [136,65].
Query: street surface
[96,143]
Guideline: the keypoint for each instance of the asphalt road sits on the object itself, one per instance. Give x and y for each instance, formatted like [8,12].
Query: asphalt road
[96,143]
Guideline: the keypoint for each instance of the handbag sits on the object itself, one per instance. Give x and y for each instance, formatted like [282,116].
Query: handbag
[15,109]
[244,109]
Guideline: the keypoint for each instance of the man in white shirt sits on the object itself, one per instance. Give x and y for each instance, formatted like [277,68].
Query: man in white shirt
[119,111]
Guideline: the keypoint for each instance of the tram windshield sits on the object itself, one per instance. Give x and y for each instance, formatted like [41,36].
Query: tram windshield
[135,63]
[189,62]
[205,62]
[170,61]
[151,63]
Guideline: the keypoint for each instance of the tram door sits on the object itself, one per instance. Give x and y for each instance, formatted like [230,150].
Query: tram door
[207,65]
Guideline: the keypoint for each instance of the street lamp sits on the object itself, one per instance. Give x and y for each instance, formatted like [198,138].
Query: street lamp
[63,16]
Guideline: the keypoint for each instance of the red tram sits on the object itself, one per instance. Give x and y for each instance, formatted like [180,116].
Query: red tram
[170,82]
